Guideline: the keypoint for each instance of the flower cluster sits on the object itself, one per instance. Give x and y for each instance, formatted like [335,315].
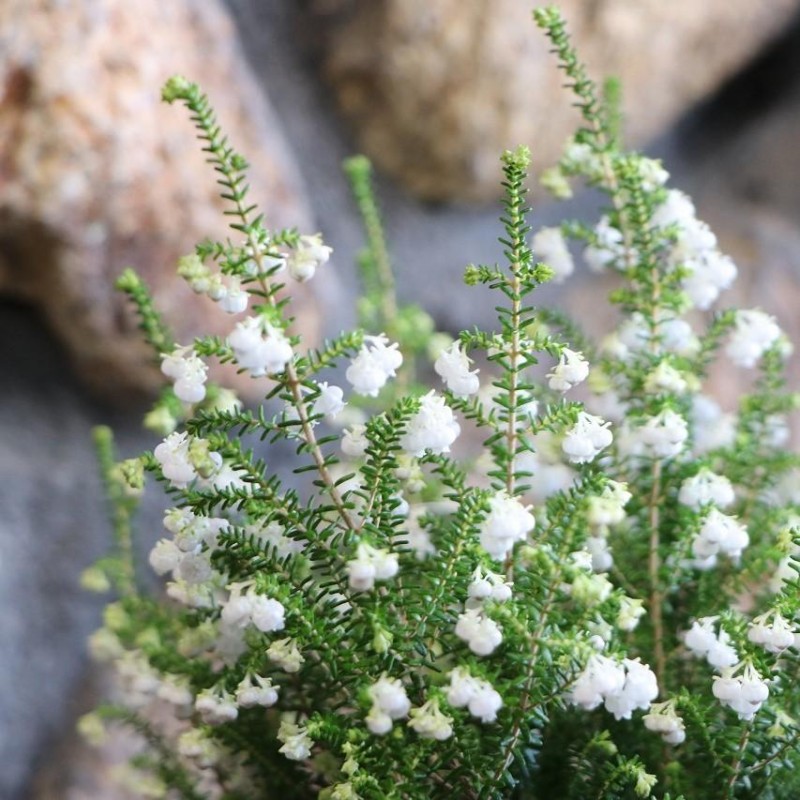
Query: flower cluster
[389,703]
[188,371]
[507,522]
[719,533]
[587,438]
[622,687]
[453,367]
[184,459]
[714,647]
[772,632]
[706,488]
[253,690]
[478,696]
[481,633]
[741,689]
[552,248]
[260,348]
[572,369]
[309,254]
[662,718]
[376,362]
[432,593]
[487,586]
[370,564]
[754,334]
[430,723]
[433,427]
[245,607]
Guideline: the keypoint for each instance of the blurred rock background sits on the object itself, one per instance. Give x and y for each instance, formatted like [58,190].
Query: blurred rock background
[96,175]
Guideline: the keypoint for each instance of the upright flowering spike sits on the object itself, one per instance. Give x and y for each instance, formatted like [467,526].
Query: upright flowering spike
[453,367]
[380,660]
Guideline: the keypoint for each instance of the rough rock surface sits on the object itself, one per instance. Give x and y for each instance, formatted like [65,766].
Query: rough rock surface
[435,89]
[97,174]
[52,526]
[52,523]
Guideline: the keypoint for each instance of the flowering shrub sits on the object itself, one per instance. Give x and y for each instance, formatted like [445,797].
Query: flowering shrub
[486,589]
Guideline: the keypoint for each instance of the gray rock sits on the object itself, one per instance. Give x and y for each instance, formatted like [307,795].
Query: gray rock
[434,89]
[98,174]
[53,525]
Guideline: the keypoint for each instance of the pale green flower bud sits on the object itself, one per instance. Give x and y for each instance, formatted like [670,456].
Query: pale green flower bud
[382,639]
[94,579]
[161,421]
[644,783]
[92,728]
[554,181]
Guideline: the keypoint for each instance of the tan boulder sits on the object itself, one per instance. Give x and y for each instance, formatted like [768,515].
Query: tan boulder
[435,89]
[97,174]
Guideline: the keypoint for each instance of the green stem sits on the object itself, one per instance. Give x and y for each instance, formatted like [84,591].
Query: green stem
[737,764]
[120,511]
[654,570]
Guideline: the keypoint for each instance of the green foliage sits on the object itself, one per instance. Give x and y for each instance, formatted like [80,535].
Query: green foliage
[394,620]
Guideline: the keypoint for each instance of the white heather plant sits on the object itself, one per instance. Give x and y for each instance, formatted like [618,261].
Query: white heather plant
[602,603]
